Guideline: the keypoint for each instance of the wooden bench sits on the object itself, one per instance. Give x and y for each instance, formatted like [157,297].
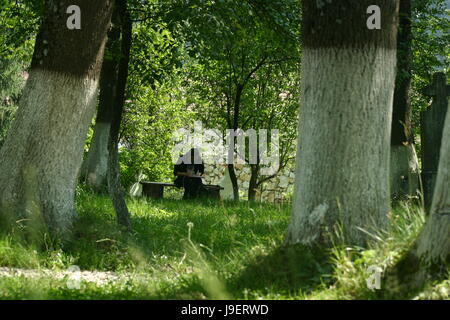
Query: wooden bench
[155,190]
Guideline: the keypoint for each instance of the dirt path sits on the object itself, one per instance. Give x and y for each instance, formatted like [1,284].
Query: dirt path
[72,274]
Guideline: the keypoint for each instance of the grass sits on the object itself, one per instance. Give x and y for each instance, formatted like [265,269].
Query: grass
[202,250]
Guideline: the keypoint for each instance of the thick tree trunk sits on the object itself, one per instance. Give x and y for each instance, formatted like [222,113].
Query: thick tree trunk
[429,257]
[45,144]
[95,166]
[348,75]
[114,185]
[404,170]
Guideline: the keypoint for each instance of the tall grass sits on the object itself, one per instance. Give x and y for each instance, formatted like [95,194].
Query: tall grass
[201,250]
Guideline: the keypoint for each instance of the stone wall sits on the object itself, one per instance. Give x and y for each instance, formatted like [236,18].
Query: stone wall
[277,189]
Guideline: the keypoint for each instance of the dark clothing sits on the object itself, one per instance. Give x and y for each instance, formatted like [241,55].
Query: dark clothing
[183,168]
[193,186]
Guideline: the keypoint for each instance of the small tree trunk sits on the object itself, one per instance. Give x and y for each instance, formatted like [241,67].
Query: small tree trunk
[253,184]
[236,113]
[348,76]
[401,120]
[404,170]
[114,186]
[429,256]
[234,181]
[95,167]
[44,147]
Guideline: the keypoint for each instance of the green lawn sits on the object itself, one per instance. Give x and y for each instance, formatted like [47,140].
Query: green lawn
[200,250]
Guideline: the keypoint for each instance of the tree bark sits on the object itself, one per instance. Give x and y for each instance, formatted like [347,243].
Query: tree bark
[348,76]
[114,185]
[45,144]
[404,170]
[234,182]
[236,113]
[95,166]
[429,256]
[253,184]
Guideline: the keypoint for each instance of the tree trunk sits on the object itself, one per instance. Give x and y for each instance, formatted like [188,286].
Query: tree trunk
[348,76]
[114,186]
[47,137]
[429,256]
[253,184]
[404,170]
[95,167]
[234,182]
[236,113]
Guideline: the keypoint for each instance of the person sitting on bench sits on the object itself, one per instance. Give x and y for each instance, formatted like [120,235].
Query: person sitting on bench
[188,171]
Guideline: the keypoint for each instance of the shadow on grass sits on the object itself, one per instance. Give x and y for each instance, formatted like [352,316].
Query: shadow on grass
[288,270]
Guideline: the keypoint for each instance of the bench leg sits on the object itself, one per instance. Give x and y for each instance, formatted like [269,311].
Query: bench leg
[153,191]
[212,193]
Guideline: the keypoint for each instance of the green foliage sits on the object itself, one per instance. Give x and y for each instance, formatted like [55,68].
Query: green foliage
[155,103]
[12,80]
[182,67]
[242,65]
[274,93]
[149,122]
[431,49]
[18,27]
[17,31]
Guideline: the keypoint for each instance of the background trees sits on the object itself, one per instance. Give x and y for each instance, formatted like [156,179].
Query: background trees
[156,98]
[422,50]
[274,96]
[18,23]
[404,167]
[237,43]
